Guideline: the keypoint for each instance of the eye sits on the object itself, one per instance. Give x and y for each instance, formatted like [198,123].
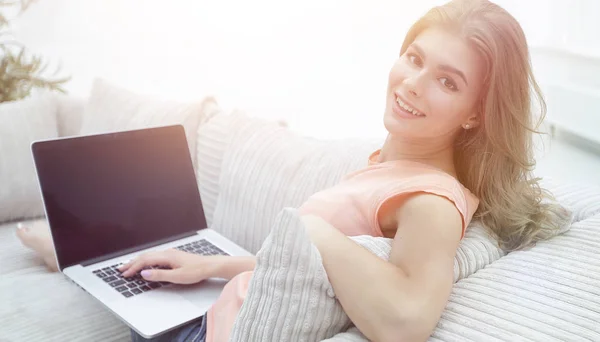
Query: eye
[448,83]
[414,59]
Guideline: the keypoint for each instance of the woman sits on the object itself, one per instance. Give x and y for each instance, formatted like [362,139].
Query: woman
[460,122]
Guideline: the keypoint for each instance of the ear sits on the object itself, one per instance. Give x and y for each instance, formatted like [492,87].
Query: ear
[473,121]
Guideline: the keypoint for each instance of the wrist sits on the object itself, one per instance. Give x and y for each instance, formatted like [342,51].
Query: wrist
[228,267]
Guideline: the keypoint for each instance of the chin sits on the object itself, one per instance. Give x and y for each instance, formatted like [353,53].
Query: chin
[394,126]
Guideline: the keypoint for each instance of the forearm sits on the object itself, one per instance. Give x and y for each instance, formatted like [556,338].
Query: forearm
[228,267]
[373,292]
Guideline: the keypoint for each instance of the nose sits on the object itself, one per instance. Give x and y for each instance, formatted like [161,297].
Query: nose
[414,84]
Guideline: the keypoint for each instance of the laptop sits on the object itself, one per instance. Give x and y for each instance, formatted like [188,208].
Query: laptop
[110,197]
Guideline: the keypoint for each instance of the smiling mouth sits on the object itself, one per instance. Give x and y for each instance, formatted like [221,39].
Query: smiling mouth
[408,108]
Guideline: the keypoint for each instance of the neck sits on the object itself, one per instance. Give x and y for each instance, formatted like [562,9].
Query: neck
[439,155]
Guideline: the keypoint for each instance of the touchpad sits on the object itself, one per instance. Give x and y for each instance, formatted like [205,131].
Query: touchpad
[203,294]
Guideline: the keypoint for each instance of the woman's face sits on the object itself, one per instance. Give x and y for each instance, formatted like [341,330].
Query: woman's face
[438,77]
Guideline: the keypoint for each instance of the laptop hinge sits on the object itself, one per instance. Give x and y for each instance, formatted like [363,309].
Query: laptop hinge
[137,248]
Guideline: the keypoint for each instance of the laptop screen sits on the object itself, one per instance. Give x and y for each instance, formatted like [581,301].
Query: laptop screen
[110,193]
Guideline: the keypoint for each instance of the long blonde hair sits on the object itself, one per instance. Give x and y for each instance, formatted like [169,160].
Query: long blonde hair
[495,159]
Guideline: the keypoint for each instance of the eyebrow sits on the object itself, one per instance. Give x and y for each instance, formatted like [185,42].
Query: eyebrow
[444,67]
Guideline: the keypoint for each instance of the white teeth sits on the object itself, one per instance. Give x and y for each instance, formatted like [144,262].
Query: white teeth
[407,108]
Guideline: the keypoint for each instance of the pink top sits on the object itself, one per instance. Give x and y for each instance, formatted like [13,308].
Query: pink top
[352,206]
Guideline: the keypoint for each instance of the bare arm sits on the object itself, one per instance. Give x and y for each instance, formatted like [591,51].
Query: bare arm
[399,300]
[188,268]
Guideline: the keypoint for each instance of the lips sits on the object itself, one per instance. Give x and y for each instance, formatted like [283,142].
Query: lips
[408,107]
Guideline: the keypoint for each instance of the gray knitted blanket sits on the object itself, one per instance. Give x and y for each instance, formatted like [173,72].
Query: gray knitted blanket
[290,297]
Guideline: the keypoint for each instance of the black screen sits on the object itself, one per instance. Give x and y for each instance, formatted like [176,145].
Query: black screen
[108,193]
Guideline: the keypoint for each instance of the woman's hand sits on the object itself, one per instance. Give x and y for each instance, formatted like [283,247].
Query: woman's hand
[186,268]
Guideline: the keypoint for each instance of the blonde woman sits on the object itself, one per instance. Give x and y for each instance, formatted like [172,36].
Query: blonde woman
[460,122]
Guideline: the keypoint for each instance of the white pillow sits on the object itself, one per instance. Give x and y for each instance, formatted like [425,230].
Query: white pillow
[213,139]
[289,296]
[69,114]
[111,108]
[21,123]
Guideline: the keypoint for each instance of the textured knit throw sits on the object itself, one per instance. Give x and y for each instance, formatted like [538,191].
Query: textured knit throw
[289,297]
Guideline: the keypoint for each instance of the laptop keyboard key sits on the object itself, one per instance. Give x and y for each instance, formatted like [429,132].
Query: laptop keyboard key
[136,291]
[145,288]
[117,283]
[122,288]
[154,285]
[109,279]
[101,275]
[140,282]
[131,285]
[127,294]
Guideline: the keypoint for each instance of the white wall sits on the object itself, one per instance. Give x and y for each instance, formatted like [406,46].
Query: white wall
[565,51]
[321,65]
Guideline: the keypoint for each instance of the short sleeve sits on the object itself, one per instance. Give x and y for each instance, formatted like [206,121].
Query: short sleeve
[434,182]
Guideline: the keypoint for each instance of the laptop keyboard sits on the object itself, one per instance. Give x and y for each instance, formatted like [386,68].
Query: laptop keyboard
[136,285]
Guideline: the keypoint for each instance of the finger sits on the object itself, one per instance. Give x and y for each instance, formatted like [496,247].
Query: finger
[172,276]
[126,264]
[149,259]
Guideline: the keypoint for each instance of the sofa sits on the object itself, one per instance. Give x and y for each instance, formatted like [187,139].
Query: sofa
[249,169]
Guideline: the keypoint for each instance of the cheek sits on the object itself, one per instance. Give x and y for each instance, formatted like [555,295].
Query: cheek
[441,103]
[398,72]
[446,109]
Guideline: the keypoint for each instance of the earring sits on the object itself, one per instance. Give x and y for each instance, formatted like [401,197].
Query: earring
[467,126]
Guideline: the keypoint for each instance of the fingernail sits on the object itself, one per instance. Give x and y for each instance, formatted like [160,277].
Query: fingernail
[146,273]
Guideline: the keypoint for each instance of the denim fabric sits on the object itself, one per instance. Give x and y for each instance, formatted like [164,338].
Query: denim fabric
[195,331]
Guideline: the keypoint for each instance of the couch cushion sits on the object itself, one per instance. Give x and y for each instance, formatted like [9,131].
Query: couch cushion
[582,199]
[214,138]
[111,108]
[23,122]
[547,293]
[70,114]
[38,305]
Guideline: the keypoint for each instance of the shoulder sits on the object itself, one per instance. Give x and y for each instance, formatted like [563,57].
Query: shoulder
[428,231]
[428,209]
[429,193]
[444,185]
